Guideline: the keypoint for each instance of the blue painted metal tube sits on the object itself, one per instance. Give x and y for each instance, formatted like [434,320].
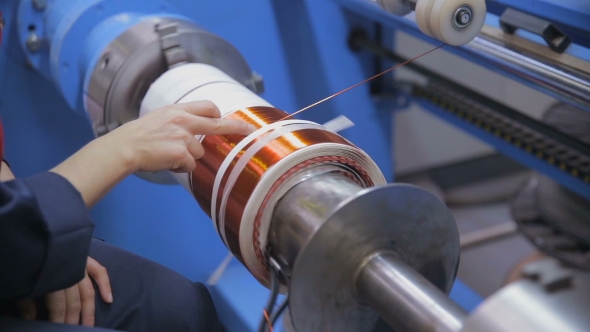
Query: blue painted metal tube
[66,26]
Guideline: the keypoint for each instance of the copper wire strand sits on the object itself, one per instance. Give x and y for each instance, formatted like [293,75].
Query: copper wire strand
[270,328]
[218,147]
[363,82]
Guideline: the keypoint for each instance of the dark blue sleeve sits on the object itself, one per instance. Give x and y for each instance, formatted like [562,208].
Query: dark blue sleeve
[45,234]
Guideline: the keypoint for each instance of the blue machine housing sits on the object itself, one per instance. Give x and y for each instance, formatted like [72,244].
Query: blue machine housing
[301,49]
[75,34]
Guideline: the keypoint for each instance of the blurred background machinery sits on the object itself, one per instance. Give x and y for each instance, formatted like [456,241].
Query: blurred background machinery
[495,125]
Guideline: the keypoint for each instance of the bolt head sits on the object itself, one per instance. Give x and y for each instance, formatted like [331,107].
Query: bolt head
[33,42]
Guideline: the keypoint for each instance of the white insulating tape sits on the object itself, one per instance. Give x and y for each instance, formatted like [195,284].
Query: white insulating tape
[281,130]
[196,82]
[338,124]
[231,156]
[272,175]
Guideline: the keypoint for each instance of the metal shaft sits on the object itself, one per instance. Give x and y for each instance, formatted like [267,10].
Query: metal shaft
[405,299]
[400,295]
[300,213]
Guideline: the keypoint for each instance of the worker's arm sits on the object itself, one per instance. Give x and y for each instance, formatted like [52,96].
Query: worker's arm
[45,232]
[45,226]
[162,140]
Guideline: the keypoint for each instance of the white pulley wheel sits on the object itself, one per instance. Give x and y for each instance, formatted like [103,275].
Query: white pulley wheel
[457,22]
[396,7]
[423,9]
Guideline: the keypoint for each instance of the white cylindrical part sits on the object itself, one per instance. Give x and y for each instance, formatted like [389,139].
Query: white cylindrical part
[198,82]
[455,22]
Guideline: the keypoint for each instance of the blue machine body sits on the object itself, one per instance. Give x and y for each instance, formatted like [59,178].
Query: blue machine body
[299,47]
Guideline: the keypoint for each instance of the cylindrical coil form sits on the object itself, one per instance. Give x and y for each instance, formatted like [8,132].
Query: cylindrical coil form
[240,179]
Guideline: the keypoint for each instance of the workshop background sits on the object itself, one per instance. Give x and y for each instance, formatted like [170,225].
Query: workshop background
[302,51]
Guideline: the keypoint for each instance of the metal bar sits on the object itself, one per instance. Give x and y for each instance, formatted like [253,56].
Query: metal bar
[487,234]
[575,89]
[405,299]
[510,150]
[301,212]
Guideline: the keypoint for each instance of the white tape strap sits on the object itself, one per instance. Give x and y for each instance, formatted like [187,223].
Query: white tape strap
[248,155]
[338,124]
[218,273]
[232,155]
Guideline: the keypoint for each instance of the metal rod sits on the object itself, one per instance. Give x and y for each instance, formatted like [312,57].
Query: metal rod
[488,234]
[575,90]
[302,210]
[406,300]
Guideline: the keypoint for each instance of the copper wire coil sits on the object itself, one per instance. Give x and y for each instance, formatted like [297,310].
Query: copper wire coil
[218,147]
[275,151]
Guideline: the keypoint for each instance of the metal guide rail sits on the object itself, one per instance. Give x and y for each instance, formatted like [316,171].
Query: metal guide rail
[564,154]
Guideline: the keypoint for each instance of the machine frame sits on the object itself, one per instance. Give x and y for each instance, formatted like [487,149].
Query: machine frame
[300,67]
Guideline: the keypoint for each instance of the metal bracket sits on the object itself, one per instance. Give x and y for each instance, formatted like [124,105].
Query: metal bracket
[258,83]
[171,45]
[512,20]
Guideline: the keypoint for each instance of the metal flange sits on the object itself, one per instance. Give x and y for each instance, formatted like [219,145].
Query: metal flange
[402,219]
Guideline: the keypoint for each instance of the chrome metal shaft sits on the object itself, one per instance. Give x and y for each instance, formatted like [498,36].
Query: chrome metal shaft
[399,294]
[300,213]
[405,299]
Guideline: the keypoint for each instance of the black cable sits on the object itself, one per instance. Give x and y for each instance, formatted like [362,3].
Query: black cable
[277,314]
[274,286]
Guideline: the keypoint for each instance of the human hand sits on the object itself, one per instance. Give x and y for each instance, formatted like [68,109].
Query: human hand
[165,139]
[5,173]
[76,304]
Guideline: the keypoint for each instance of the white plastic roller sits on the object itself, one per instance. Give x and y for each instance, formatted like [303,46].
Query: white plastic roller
[455,22]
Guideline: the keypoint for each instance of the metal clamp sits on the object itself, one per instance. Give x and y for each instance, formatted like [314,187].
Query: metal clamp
[171,45]
[511,20]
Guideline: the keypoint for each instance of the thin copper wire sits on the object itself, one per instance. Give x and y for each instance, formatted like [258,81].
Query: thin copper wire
[363,82]
[218,147]
[268,320]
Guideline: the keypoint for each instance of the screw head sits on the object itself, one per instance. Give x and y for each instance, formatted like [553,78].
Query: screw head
[33,42]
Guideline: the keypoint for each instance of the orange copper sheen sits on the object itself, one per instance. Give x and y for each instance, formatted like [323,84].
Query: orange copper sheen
[218,147]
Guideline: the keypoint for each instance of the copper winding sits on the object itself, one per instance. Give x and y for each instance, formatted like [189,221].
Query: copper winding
[218,147]
[248,242]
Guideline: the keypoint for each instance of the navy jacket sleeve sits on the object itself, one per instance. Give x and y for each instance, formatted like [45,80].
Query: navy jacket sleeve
[45,234]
